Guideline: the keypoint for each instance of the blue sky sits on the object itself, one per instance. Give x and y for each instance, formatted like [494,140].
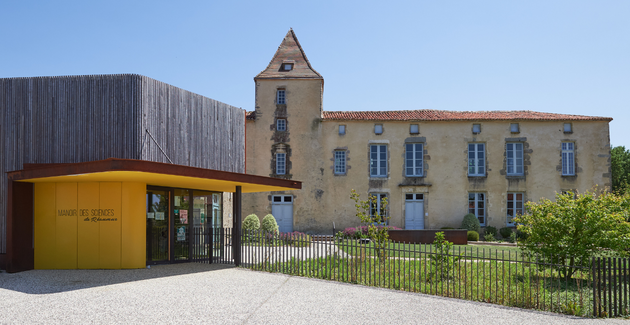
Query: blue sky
[551,56]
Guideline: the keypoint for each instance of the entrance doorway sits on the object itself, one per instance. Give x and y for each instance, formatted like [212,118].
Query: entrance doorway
[414,211]
[183,225]
[282,210]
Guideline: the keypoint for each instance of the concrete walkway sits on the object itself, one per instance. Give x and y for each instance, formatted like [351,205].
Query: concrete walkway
[215,294]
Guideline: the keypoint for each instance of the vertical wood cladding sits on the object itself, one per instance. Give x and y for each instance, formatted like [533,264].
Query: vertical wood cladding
[69,119]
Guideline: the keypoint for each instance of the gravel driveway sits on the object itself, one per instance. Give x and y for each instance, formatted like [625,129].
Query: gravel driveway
[217,294]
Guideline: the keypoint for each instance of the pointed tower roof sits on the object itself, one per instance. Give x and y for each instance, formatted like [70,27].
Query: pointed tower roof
[289,62]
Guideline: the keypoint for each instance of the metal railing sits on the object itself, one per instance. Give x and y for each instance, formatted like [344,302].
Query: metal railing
[500,276]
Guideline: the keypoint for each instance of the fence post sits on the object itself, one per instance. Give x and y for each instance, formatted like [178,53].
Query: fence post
[236,220]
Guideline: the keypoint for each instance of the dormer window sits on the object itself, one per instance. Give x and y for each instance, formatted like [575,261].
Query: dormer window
[287,65]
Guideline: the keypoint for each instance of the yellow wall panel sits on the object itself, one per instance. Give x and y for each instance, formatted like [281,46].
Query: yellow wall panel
[66,223]
[134,250]
[110,225]
[88,225]
[45,226]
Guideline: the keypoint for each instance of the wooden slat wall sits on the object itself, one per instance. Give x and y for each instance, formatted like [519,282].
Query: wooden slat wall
[85,118]
[191,129]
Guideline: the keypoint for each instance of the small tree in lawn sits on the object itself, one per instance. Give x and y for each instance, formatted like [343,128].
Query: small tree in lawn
[571,230]
[375,220]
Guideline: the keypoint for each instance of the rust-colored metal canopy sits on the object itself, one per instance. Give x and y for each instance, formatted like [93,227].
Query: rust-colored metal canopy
[151,173]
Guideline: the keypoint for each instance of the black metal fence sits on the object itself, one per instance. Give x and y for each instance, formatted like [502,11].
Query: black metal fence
[211,245]
[504,276]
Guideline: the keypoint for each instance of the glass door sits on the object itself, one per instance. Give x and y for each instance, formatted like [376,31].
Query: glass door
[158,226]
[181,224]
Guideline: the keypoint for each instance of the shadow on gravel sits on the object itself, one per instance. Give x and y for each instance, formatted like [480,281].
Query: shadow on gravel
[54,281]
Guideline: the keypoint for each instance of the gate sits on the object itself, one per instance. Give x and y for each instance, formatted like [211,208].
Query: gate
[212,245]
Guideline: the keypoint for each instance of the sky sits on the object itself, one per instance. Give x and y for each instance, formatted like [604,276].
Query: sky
[551,56]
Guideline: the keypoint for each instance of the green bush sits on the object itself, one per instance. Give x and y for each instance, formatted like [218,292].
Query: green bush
[447,228]
[251,223]
[505,232]
[520,235]
[491,230]
[473,235]
[489,237]
[269,224]
[471,222]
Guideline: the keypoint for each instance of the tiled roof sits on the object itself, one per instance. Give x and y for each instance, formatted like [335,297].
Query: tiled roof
[289,51]
[436,115]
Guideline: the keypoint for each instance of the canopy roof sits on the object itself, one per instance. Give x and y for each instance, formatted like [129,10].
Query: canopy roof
[151,173]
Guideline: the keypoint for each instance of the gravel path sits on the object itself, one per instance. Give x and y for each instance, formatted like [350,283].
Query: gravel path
[198,293]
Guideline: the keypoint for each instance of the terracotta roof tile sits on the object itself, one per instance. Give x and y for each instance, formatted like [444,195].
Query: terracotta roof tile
[289,51]
[436,115]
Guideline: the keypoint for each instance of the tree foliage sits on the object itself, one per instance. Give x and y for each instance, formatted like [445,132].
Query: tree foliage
[573,229]
[376,223]
[620,167]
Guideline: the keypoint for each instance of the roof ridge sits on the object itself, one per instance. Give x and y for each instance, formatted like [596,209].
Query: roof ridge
[444,115]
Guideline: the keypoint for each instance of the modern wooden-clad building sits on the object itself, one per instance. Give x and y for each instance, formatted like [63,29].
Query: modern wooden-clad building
[67,146]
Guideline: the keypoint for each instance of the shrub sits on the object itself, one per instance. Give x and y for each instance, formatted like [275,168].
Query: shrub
[489,237]
[572,230]
[251,223]
[360,232]
[473,235]
[491,230]
[471,222]
[296,238]
[443,261]
[269,224]
[505,232]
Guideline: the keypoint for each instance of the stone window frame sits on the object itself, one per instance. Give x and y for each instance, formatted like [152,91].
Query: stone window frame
[281,127]
[281,96]
[414,159]
[514,158]
[281,164]
[343,160]
[572,153]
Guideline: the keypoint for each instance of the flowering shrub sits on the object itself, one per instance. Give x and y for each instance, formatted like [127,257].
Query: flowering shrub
[295,238]
[362,231]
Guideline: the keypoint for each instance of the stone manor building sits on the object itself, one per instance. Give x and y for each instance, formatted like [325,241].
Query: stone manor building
[433,166]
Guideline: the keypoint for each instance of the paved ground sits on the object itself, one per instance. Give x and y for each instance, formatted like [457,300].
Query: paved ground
[197,293]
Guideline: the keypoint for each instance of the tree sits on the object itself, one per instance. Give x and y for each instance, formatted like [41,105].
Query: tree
[374,219]
[620,167]
[573,229]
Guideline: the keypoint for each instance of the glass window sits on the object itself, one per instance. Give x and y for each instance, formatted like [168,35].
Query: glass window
[514,128]
[514,159]
[477,206]
[342,129]
[378,129]
[280,96]
[476,128]
[287,66]
[340,162]
[568,128]
[378,206]
[413,160]
[281,163]
[414,129]
[476,159]
[514,206]
[281,124]
[568,159]
[378,160]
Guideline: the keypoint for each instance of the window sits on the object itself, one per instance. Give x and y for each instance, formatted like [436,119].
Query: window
[281,124]
[514,128]
[413,160]
[568,161]
[476,159]
[342,129]
[514,206]
[414,129]
[340,162]
[281,163]
[476,128]
[280,96]
[378,129]
[287,66]
[477,206]
[514,159]
[568,128]
[378,160]
[414,197]
[378,207]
